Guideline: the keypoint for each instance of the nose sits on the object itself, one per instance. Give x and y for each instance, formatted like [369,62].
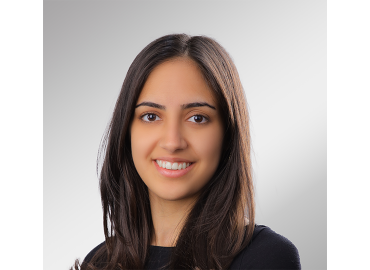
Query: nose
[172,137]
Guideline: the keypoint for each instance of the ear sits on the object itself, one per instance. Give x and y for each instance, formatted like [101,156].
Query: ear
[246,221]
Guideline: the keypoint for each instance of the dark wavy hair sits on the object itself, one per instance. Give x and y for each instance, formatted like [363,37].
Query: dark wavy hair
[215,230]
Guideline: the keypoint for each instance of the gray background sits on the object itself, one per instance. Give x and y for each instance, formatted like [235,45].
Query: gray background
[279,48]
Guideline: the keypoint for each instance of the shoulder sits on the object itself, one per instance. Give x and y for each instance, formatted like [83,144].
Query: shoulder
[267,250]
[93,252]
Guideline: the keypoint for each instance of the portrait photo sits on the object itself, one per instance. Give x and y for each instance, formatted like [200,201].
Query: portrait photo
[275,49]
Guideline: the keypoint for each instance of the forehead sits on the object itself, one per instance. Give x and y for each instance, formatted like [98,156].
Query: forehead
[176,81]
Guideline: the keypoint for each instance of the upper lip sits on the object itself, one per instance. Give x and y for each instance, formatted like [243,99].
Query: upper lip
[172,159]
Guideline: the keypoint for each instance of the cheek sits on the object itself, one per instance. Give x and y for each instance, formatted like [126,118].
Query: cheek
[141,145]
[208,147]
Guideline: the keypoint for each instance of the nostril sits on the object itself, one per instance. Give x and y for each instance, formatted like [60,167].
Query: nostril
[173,145]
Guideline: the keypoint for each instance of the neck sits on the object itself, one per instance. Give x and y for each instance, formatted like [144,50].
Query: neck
[168,219]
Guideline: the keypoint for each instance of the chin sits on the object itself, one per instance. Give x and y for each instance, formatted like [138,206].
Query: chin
[173,194]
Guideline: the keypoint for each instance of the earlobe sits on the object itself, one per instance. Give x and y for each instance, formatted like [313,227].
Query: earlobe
[246,221]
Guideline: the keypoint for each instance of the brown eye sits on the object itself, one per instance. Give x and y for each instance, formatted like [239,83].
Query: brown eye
[150,117]
[198,119]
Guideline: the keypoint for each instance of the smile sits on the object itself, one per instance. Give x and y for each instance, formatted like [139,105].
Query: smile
[173,170]
[172,166]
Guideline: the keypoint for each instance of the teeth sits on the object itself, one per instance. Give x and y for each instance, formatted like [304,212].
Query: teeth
[172,166]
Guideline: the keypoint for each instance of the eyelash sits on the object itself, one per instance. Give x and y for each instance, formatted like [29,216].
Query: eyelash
[200,123]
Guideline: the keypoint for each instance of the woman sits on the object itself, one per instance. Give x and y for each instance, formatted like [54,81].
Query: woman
[176,183]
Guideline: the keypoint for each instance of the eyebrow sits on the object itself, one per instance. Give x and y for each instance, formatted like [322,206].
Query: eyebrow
[184,106]
[151,104]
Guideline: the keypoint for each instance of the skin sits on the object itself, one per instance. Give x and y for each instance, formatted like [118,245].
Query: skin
[172,131]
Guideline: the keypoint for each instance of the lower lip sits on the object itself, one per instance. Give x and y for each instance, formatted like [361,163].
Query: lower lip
[172,173]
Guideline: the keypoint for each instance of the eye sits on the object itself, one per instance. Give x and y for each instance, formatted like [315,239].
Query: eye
[150,117]
[200,119]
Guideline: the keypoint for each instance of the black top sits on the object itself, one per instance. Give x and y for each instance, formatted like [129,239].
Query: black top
[267,250]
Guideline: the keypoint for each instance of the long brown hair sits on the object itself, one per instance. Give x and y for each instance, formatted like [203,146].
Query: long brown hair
[214,231]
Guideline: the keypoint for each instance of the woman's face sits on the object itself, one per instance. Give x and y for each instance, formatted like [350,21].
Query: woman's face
[177,123]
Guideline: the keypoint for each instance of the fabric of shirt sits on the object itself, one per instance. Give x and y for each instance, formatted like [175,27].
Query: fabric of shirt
[267,250]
